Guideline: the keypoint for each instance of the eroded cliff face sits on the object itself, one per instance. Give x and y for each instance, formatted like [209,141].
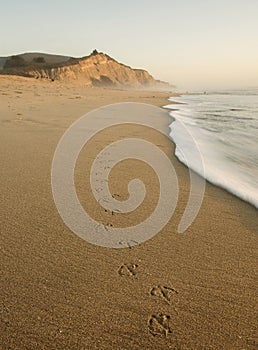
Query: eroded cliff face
[98,69]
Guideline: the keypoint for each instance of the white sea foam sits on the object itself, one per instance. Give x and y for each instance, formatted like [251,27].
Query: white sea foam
[225,128]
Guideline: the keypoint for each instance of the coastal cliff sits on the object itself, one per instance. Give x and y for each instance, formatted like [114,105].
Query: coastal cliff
[97,69]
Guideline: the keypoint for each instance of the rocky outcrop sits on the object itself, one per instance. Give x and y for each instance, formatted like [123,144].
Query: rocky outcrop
[98,69]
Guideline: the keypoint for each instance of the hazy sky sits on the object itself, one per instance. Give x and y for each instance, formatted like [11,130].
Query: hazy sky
[190,43]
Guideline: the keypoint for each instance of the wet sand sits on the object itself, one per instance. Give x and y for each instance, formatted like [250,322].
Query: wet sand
[196,290]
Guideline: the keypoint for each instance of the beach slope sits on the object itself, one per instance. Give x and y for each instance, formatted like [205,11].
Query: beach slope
[196,290]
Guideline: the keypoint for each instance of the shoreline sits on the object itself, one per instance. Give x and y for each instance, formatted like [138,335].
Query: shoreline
[209,178]
[60,292]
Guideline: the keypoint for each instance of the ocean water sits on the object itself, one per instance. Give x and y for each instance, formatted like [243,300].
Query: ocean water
[224,126]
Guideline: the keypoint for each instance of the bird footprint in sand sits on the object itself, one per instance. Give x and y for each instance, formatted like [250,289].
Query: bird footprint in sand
[159,325]
[164,292]
[128,270]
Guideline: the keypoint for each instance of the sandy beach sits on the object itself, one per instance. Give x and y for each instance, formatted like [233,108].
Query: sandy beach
[196,290]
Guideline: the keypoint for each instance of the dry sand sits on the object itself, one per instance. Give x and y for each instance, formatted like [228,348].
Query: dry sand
[60,292]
